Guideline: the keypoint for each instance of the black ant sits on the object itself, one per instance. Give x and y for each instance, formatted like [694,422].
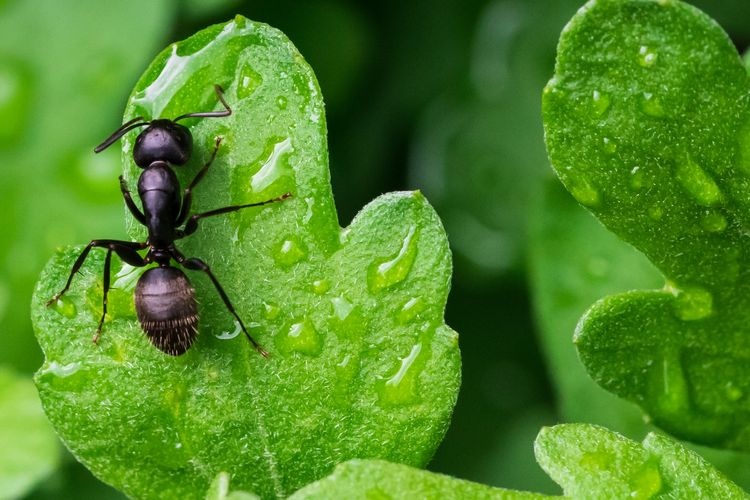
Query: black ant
[164,298]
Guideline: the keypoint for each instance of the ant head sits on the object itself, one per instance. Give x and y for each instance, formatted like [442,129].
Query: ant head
[163,140]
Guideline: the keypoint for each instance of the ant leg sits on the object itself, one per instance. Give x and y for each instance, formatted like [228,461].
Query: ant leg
[128,255]
[187,196]
[130,203]
[127,250]
[192,222]
[196,264]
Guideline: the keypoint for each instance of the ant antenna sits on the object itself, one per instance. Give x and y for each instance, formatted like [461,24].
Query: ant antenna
[210,114]
[124,129]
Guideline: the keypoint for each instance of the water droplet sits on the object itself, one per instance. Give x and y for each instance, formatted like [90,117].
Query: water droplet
[248,80]
[226,335]
[401,387]
[394,269]
[636,178]
[301,337]
[655,212]
[651,105]
[410,310]
[646,56]
[321,286]
[733,392]
[66,307]
[291,251]
[609,145]
[668,383]
[601,102]
[646,482]
[346,371]
[583,191]
[341,307]
[310,202]
[698,183]
[281,102]
[272,168]
[691,302]
[271,311]
[714,222]
[59,370]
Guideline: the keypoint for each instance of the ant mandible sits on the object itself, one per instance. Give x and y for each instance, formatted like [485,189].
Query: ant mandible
[164,298]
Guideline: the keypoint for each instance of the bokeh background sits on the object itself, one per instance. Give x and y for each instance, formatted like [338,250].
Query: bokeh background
[437,95]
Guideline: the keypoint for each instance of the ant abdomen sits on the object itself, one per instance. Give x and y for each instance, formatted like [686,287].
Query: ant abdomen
[167,310]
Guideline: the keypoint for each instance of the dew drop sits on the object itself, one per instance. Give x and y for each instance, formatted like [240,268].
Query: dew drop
[301,337]
[733,393]
[273,168]
[583,191]
[226,335]
[668,383]
[281,102]
[271,311]
[66,307]
[601,102]
[321,286]
[290,252]
[655,212]
[394,269]
[346,371]
[410,310]
[698,183]
[691,302]
[248,81]
[59,370]
[609,145]
[714,222]
[646,56]
[646,482]
[636,178]
[651,105]
[341,307]
[401,387]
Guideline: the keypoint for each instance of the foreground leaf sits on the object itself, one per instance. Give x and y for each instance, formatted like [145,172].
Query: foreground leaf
[362,364]
[368,479]
[31,450]
[646,125]
[592,462]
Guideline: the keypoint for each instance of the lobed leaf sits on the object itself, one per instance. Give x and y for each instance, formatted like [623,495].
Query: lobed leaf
[646,125]
[589,461]
[361,365]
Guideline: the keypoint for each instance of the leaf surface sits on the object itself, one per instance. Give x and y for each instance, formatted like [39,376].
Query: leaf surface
[361,365]
[647,126]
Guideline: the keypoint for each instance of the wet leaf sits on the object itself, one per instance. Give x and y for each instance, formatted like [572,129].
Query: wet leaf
[361,365]
[646,125]
[589,461]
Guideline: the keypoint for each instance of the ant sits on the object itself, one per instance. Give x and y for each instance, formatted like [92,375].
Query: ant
[164,298]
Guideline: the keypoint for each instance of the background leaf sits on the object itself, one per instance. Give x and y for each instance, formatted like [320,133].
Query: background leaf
[361,365]
[644,127]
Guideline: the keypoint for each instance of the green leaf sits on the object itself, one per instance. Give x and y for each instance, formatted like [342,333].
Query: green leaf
[646,126]
[31,450]
[361,365]
[378,479]
[589,461]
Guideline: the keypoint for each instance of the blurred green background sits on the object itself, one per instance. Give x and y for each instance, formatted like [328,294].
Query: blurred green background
[440,95]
